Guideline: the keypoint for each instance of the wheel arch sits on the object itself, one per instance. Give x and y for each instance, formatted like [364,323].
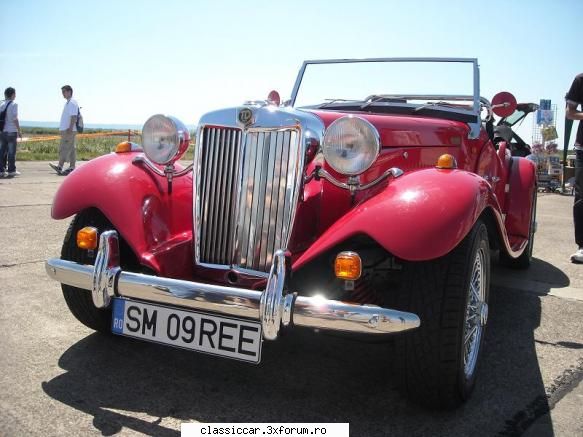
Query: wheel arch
[156,225]
[419,216]
[495,239]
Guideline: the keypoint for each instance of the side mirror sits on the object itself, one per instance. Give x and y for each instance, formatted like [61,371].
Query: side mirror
[274,98]
[503,104]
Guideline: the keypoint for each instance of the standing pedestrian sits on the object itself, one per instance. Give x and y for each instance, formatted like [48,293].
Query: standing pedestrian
[574,98]
[11,129]
[68,132]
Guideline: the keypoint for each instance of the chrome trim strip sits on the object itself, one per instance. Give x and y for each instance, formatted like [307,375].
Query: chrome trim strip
[273,307]
[291,191]
[283,170]
[321,173]
[313,312]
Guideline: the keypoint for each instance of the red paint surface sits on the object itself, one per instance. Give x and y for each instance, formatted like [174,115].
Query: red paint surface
[421,215]
[157,226]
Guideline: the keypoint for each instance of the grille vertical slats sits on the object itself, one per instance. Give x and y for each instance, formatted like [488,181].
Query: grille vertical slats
[265,221]
[216,200]
[275,195]
[221,194]
[213,198]
[249,164]
[282,194]
[247,185]
[261,201]
[228,220]
[218,162]
[259,180]
[206,169]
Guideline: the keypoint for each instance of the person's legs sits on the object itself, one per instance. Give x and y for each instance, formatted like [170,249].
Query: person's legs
[11,154]
[3,152]
[73,152]
[578,206]
[64,148]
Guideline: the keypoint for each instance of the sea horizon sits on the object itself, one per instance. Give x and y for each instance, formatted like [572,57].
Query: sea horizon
[104,126]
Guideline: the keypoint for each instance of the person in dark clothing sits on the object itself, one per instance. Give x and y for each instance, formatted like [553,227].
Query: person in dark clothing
[574,98]
[11,129]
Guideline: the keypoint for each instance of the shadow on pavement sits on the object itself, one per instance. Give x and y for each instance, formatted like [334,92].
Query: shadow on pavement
[540,278]
[304,377]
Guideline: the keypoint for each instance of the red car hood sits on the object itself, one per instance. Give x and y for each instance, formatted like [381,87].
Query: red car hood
[407,130]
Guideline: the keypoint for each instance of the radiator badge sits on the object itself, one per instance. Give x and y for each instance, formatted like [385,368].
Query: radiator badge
[245,116]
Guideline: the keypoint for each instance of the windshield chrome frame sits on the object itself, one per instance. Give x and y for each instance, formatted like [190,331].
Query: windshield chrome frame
[476,107]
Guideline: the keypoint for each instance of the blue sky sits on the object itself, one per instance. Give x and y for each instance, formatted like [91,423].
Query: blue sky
[127,60]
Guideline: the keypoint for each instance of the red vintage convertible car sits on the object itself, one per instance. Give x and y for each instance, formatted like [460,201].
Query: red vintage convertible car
[356,206]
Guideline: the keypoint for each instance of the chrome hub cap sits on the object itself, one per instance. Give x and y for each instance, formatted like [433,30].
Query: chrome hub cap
[476,314]
[484,314]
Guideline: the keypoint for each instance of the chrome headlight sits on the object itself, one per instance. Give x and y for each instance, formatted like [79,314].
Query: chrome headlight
[164,139]
[351,145]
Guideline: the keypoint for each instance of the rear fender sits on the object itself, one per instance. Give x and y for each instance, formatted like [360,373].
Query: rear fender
[419,216]
[521,190]
[157,226]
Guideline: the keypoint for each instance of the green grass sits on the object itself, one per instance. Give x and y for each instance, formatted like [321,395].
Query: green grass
[28,131]
[87,148]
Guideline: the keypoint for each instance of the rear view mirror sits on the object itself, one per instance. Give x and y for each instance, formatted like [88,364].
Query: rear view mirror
[503,104]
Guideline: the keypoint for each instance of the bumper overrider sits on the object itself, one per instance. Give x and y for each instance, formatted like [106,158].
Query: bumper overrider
[273,308]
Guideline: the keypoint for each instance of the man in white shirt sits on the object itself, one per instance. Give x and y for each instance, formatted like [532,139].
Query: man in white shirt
[9,132]
[68,132]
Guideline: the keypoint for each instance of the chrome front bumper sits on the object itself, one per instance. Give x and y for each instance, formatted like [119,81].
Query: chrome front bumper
[273,307]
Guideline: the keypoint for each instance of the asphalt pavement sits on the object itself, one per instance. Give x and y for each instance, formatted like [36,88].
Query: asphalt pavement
[59,378]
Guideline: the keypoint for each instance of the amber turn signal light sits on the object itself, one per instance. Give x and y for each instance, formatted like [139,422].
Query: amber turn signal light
[446,161]
[87,238]
[348,266]
[123,147]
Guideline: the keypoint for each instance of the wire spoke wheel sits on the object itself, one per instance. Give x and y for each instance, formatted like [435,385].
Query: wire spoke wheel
[438,363]
[476,314]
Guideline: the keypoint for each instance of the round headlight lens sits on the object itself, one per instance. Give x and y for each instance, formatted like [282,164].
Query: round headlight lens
[164,139]
[351,145]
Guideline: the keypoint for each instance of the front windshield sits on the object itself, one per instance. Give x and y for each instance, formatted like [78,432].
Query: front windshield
[337,81]
[516,115]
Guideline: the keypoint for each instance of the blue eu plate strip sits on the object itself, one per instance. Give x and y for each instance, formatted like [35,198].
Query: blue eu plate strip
[117,316]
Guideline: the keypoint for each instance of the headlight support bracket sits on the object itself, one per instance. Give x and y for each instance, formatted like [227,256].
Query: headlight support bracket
[352,184]
[169,170]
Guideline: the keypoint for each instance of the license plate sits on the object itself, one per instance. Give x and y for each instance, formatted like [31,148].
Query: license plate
[224,336]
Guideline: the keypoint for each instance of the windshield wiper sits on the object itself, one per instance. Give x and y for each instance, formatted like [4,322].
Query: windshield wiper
[375,98]
[433,104]
[332,101]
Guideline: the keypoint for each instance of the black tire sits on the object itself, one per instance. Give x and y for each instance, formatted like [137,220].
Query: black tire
[525,259]
[430,359]
[79,300]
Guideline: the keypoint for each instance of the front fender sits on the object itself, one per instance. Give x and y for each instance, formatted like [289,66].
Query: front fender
[419,216]
[137,203]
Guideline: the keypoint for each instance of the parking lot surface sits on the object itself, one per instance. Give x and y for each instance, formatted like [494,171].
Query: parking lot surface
[59,378]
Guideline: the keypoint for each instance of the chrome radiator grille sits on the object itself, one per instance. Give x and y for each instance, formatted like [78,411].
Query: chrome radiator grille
[247,188]
[217,193]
